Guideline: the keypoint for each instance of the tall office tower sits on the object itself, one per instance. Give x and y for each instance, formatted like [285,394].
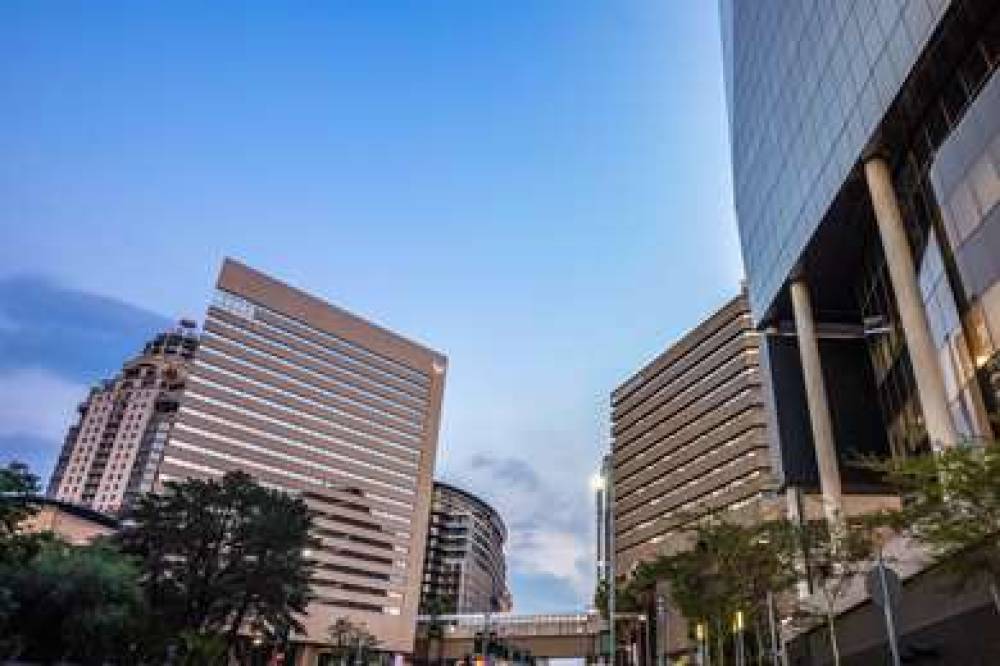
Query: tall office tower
[689,437]
[320,403]
[111,454]
[866,166]
[465,570]
[602,507]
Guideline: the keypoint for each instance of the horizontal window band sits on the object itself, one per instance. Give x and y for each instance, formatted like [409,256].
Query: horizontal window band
[306,412]
[254,366]
[258,436]
[268,334]
[239,444]
[197,402]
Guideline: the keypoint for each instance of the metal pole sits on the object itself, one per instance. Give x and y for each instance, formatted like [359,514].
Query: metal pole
[890,622]
[701,634]
[612,583]
[772,621]
[648,651]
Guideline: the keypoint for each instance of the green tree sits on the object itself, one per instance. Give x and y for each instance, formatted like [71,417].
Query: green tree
[350,639]
[434,606]
[953,507]
[71,603]
[220,556]
[18,487]
[202,649]
[727,568]
[732,568]
[831,559]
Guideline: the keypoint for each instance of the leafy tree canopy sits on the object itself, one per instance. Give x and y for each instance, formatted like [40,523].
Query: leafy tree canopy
[221,556]
[70,602]
[17,486]
[952,506]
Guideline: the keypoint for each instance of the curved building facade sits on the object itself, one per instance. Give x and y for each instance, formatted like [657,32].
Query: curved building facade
[465,569]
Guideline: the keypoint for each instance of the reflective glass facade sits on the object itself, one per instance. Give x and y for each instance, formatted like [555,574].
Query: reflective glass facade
[966,180]
[808,84]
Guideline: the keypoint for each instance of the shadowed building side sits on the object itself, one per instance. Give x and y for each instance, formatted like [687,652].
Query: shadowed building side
[689,437]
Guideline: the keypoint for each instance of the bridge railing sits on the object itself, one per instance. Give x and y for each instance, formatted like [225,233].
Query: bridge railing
[541,624]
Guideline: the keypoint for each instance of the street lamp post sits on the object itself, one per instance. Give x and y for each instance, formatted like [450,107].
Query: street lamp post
[612,586]
[738,627]
[603,482]
[699,633]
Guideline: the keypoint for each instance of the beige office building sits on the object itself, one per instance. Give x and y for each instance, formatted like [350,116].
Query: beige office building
[689,436]
[318,402]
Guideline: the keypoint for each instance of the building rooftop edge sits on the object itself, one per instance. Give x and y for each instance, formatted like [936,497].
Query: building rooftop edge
[689,335]
[473,497]
[230,264]
[75,509]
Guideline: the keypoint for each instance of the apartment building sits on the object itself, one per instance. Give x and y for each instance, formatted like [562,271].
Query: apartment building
[111,454]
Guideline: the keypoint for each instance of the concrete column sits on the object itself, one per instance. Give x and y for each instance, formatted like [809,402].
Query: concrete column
[916,330]
[793,511]
[819,408]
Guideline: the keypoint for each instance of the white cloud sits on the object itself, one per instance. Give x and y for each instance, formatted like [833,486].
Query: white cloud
[548,526]
[562,554]
[37,402]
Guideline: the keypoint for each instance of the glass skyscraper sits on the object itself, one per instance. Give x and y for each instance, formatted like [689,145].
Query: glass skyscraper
[866,175]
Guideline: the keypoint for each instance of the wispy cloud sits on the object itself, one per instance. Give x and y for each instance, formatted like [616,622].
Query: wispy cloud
[54,343]
[73,333]
[549,533]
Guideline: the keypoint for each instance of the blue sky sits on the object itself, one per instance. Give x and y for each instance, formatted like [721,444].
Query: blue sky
[540,190]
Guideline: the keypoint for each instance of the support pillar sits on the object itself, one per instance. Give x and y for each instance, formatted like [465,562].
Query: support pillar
[912,315]
[819,408]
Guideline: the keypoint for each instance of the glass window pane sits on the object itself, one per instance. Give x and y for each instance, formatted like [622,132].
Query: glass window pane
[985,182]
[964,211]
